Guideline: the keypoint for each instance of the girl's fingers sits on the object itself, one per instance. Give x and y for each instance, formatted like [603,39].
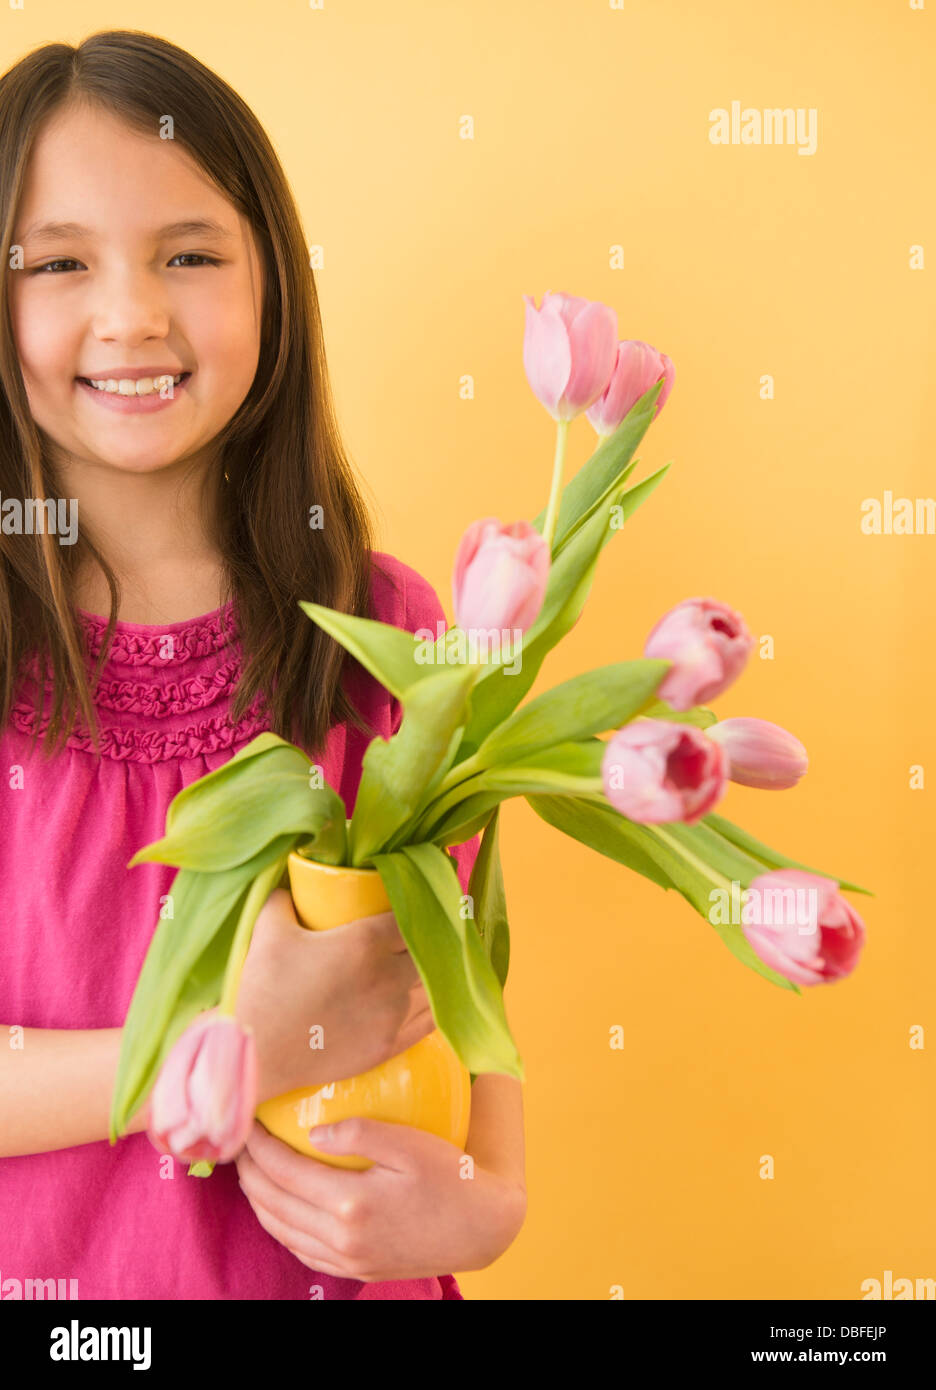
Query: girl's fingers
[418,999]
[417,1027]
[299,1217]
[322,1187]
[277,916]
[402,969]
[380,929]
[321,1258]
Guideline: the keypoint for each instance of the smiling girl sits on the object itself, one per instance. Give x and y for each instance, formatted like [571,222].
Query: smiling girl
[162,363]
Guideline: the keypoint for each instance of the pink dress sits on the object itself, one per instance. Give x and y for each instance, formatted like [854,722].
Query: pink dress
[75,928]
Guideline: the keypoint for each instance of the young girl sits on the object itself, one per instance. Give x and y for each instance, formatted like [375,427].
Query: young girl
[151,233]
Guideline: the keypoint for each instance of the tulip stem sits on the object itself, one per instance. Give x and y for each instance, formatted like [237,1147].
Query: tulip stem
[260,890]
[549,525]
[468,767]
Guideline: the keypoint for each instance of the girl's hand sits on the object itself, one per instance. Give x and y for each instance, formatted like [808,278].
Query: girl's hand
[357,982]
[425,1208]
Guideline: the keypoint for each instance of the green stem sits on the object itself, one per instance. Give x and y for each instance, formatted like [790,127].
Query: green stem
[260,890]
[457,773]
[549,525]
[441,805]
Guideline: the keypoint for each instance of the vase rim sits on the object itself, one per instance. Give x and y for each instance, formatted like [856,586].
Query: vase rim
[329,868]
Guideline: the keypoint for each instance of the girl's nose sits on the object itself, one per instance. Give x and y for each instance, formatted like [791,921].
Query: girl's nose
[130,307]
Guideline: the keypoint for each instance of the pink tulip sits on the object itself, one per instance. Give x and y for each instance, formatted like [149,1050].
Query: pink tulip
[655,771]
[500,576]
[760,754]
[637,367]
[806,931]
[569,346]
[708,644]
[206,1093]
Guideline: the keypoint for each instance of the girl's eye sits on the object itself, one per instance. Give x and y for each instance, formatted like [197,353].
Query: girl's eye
[191,255]
[197,256]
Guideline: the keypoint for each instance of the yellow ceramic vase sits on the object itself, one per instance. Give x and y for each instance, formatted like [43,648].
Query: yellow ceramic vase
[425,1086]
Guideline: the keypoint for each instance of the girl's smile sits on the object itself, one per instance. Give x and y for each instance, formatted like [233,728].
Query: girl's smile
[134,395]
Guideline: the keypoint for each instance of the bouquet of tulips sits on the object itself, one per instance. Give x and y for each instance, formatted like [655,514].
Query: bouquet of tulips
[468,740]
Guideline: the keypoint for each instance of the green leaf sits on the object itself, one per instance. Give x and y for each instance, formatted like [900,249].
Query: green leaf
[329,844]
[587,704]
[464,819]
[603,472]
[770,858]
[201,990]
[570,769]
[573,768]
[486,887]
[391,654]
[211,976]
[701,717]
[463,990]
[718,853]
[219,821]
[397,773]
[599,828]
[232,769]
[687,858]
[678,857]
[203,905]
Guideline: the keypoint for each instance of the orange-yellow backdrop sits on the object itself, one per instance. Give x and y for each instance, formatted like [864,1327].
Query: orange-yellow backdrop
[590,132]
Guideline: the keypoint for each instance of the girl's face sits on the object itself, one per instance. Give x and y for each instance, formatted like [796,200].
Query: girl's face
[123,294]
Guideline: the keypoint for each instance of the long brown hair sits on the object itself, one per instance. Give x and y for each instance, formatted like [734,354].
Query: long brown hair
[282,452]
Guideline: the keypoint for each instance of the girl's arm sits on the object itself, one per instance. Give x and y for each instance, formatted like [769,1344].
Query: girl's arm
[495,1132]
[55,1090]
[496,1143]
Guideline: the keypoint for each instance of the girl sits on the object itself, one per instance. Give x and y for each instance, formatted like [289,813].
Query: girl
[152,234]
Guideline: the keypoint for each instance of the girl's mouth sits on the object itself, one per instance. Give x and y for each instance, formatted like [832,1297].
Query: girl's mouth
[124,397]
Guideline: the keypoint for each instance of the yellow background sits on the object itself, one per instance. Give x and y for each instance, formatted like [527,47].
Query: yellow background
[591,130]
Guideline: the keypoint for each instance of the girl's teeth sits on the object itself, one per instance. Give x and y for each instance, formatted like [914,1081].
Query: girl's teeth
[144,387]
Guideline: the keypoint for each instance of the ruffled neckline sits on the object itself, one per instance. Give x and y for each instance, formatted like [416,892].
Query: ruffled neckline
[136,644]
[164,691]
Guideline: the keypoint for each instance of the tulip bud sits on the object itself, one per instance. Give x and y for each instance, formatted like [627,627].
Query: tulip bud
[205,1096]
[569,347]
[760,754]
[655,771]
[804,928]
[708,645]
[500,576]
[637,367]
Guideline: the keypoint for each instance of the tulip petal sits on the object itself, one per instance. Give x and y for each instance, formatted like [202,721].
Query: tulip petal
[654,771]
[593,342]
[501,575]
[823,949]
[205,1095]
[547,356]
